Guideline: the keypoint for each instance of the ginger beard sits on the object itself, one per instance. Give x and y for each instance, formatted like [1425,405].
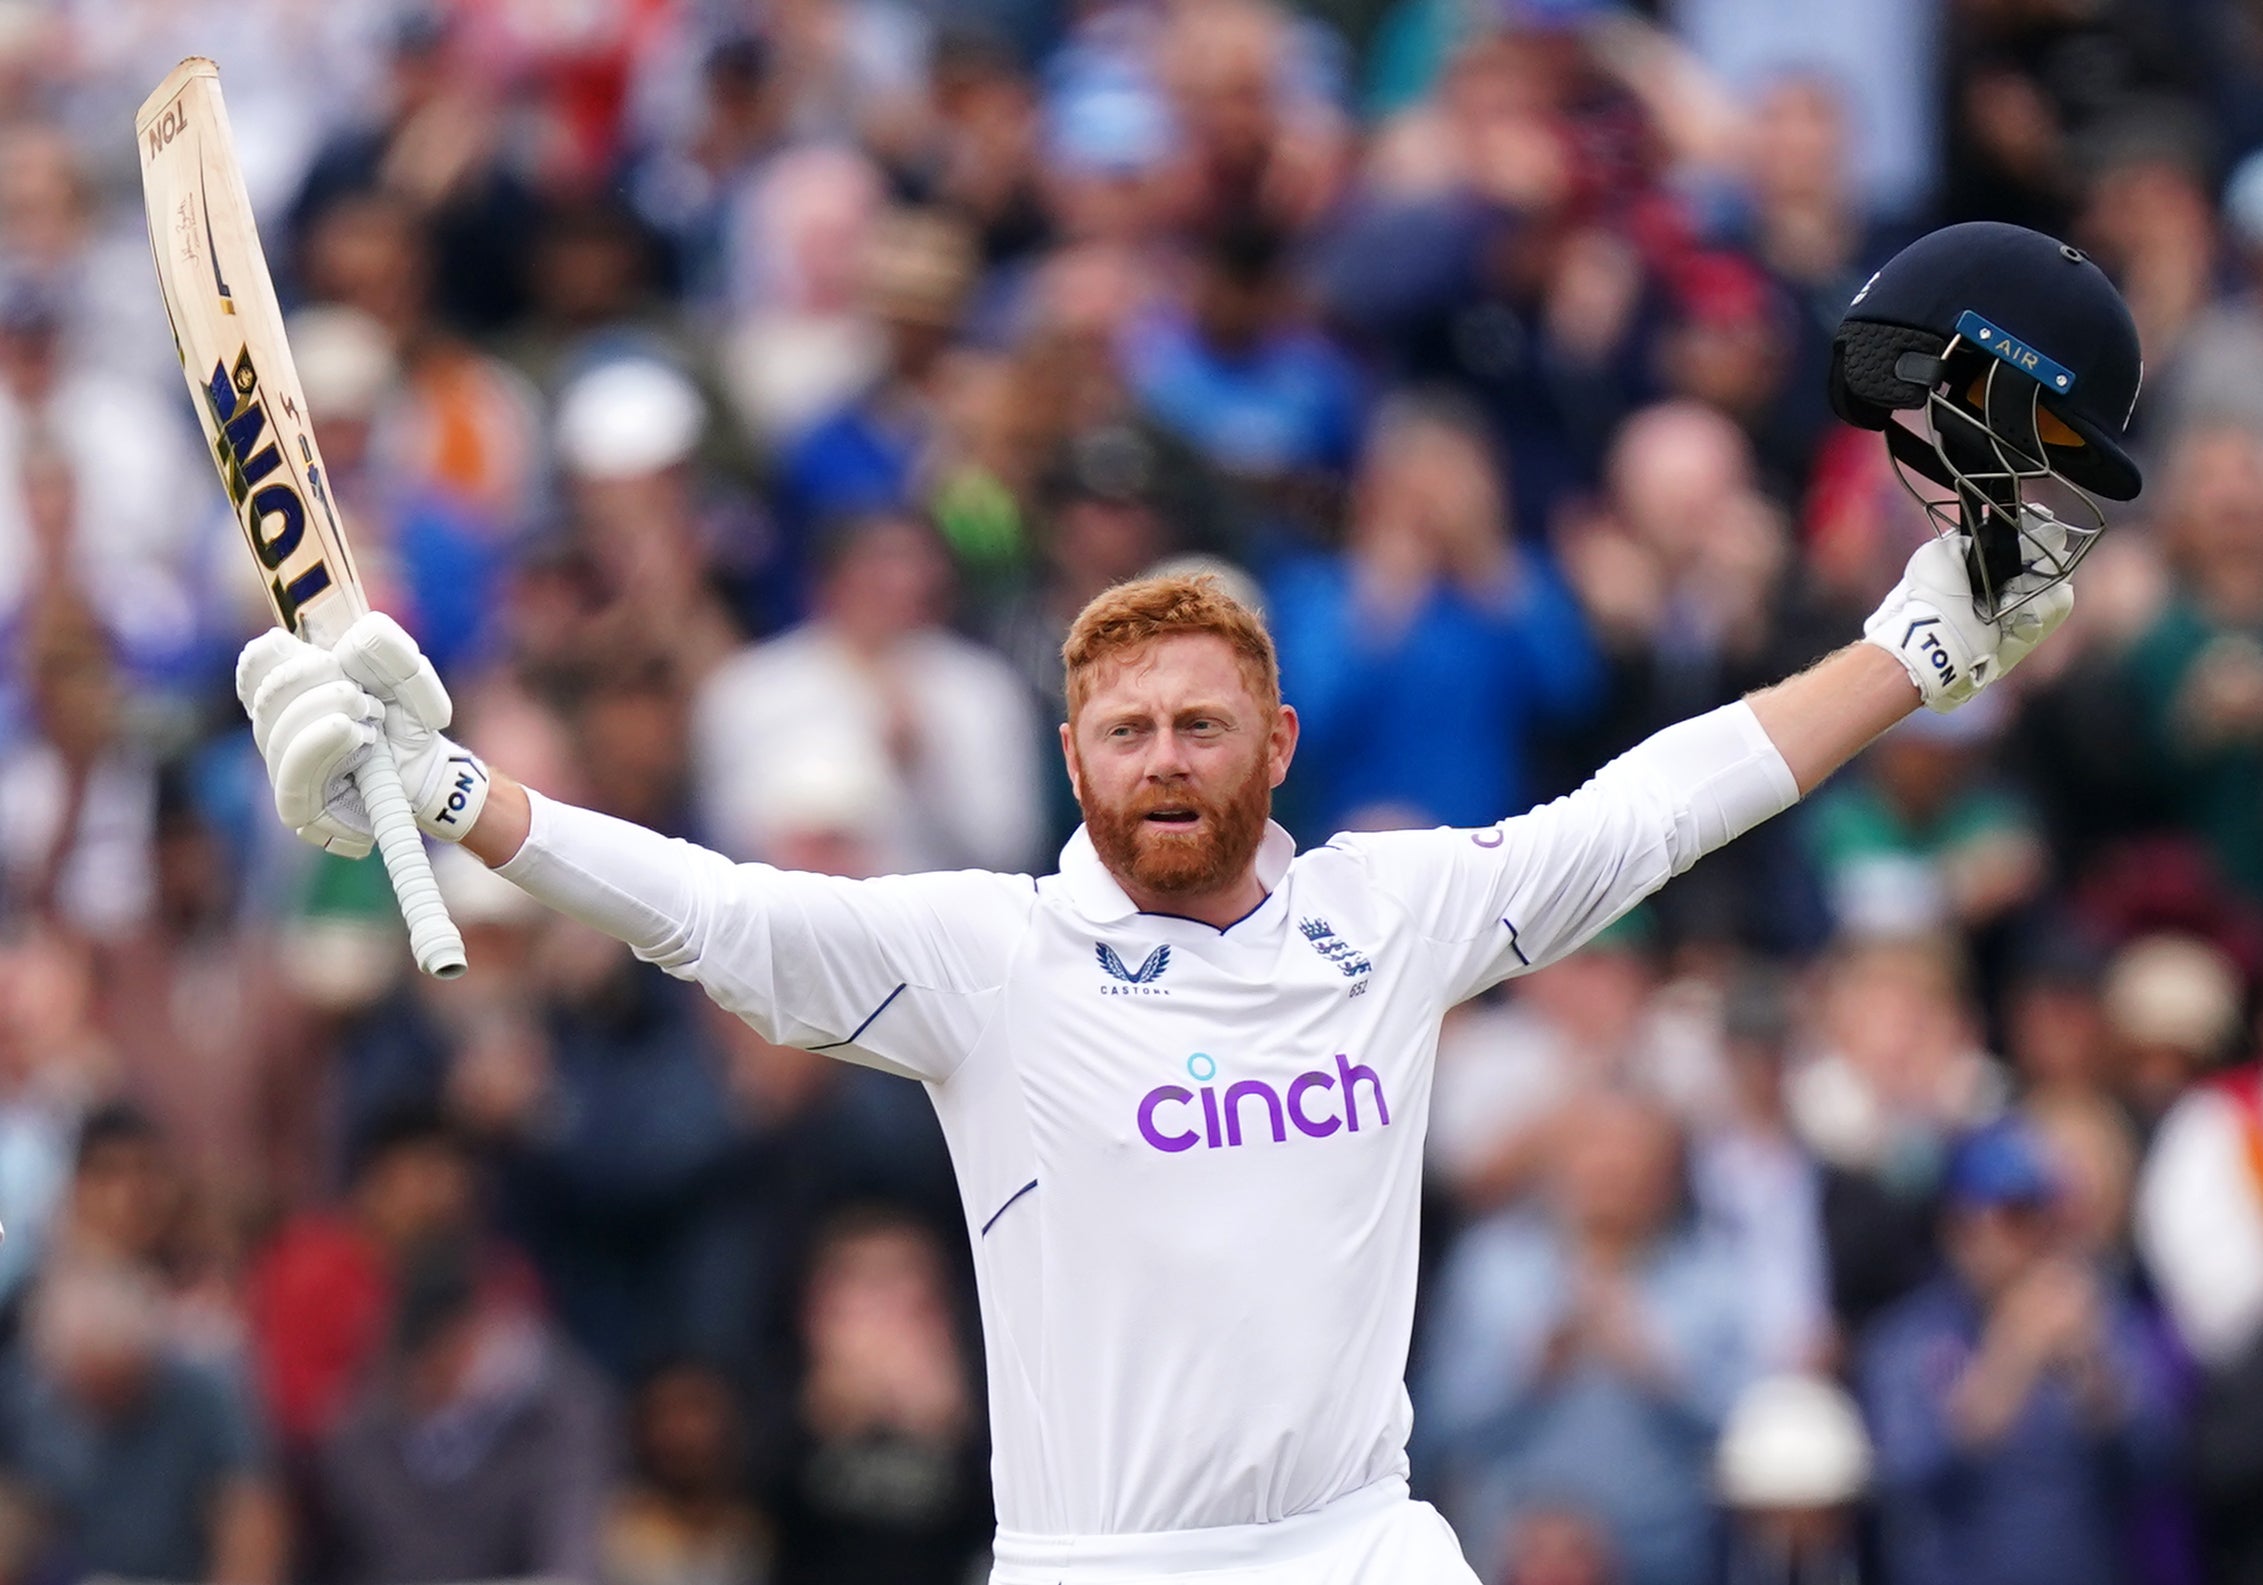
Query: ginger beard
[1181,858]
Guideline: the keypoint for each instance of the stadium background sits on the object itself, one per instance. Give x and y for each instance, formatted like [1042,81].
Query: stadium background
[737,399]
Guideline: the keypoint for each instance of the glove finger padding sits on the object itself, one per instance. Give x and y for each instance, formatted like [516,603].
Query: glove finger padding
[311,759]
[2032,623]
[297,674]
[378,653]
[308,706]
[259,659]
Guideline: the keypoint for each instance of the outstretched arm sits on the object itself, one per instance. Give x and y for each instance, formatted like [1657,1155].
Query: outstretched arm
[808,960]
[1825,715]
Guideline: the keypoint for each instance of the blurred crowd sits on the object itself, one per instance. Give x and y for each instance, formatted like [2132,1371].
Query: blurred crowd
[738,397]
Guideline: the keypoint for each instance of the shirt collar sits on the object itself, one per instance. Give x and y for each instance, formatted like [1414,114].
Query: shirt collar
[1099,897]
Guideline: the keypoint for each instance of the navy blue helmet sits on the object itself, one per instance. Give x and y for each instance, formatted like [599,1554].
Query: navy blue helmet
[2020,363]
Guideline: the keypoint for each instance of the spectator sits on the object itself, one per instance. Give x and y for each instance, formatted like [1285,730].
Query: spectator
[425,552]
[479,1450]
[76,511]
[2055,1032]
[1235,373]
[1918,839]
[78,796]
[603,1108]
[1588,1354]
[1757,1185]
[320,1294]
[687,186]
[470,426]
[437,147]
[1896,1075]
[1869,59]
[2172,1006]
[916,269]
[1599,1019]
[874,676]
[683,1519]
[49,1051]
[208,1045]
[1792,1469]
[2198,670]
[649,550]
[1426,660]
[146,1466]
[2020,1455]
[1683,581]
[1560,1546]
[803,345]
[881,1479]
[2199,1227]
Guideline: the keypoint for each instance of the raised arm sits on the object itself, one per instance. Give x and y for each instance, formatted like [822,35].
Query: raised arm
[808,960]
[1509,897]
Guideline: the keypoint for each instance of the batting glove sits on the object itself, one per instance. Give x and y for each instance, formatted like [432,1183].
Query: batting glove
[1932,625]
[316,715]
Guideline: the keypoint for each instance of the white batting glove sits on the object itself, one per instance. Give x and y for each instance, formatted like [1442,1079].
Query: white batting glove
[314,725]
[446,782]
[317,713]
[1930,623]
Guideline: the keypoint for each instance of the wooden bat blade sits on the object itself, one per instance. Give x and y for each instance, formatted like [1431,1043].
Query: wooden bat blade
[228,329]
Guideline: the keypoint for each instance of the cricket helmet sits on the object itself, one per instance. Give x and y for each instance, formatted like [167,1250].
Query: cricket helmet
[2018,362]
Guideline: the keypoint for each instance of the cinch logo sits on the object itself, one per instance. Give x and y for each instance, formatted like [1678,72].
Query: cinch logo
[1135,982]
[1316,1104]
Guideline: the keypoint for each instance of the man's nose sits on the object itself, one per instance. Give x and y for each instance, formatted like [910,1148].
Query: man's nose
[1167,758]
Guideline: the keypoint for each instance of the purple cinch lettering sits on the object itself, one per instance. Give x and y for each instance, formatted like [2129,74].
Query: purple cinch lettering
[1210,1115]
[1234,1096]
[1351,1072]
[1155,1136]
[1319,1128]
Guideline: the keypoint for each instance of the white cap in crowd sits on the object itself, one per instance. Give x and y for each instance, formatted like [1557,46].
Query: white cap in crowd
[1792,1442]
[628,418]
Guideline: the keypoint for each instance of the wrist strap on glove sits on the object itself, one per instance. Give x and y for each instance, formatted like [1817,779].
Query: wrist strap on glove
[454,793]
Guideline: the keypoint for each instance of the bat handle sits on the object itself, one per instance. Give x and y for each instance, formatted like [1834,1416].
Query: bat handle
[433,937]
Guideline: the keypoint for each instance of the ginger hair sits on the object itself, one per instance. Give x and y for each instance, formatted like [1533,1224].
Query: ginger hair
[1132,615]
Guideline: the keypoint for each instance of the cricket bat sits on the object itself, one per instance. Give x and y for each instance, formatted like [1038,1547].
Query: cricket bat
[228,330]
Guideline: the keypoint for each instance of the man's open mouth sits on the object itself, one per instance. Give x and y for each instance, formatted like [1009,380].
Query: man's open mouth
[1173,817]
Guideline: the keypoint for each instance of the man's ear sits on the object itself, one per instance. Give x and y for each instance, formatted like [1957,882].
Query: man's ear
[1281,745]
[1068,757]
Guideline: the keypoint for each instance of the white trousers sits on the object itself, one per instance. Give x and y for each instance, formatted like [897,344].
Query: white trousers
[1374,1536]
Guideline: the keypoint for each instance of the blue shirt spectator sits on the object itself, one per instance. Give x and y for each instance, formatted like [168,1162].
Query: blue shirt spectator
[1423,660]
[149,1465]
[1584,1358]
[2019,1406]
[1236,374]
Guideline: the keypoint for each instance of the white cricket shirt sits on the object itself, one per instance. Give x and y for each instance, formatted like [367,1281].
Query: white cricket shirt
[1190,1158]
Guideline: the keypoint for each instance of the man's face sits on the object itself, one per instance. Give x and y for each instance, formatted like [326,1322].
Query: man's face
[1174,760]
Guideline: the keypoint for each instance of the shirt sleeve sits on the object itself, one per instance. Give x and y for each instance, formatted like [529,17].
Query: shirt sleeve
[1522,893]
[898,973]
